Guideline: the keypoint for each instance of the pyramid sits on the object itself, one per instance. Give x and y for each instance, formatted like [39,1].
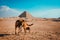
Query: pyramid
[25,14]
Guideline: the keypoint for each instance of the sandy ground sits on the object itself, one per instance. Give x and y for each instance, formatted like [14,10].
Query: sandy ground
[41,30]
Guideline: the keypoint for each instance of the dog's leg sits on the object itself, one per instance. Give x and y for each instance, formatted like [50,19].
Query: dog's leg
[29,30]
[19,30]
[15,29]
[25,30]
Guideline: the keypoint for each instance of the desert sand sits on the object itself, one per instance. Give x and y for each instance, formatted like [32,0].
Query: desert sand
[41,30]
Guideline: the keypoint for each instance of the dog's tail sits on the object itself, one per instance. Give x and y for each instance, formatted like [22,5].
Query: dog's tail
[30,24]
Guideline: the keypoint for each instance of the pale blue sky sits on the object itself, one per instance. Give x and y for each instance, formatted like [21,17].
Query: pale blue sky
[38,8]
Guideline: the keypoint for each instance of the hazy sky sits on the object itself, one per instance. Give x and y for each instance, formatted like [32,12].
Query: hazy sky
[38,8]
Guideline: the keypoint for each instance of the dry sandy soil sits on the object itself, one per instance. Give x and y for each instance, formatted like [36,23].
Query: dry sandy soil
[41,30]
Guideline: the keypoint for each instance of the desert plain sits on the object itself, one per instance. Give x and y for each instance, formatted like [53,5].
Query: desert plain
[42,29]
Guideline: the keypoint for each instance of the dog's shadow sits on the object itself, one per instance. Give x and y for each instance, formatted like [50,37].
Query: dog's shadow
[2,35]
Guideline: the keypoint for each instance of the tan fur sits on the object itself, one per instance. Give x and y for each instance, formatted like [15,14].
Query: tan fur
[24,25]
